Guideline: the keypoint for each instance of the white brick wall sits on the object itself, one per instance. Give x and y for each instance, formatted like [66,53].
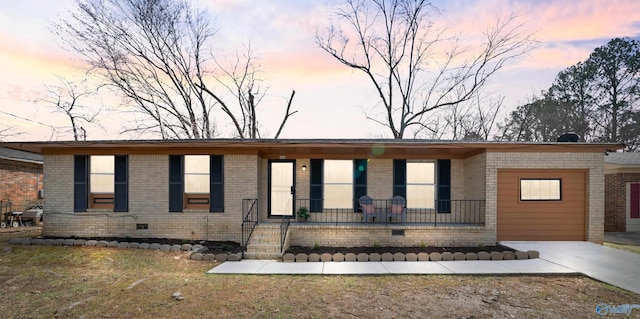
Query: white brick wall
[368,235]
[58,183]
[380,178]
[457,179]
[475,177]
[148,202]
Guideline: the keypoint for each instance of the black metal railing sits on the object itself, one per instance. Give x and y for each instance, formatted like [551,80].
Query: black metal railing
[443,212]
[249,220]
[284,229]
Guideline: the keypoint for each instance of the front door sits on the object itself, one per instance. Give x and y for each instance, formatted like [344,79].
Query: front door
[281,188]
[633,204]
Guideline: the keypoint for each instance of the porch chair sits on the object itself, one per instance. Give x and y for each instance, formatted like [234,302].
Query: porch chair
[398,208]
[368,209]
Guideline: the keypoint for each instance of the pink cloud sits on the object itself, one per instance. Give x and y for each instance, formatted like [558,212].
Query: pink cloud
[551,20]
[23,59]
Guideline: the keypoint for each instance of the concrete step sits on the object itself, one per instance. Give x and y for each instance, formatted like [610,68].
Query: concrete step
[266,231]
[266,249]
[265,240]
[262,255]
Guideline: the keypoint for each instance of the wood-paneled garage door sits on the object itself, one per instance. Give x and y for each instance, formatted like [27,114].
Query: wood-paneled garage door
[529,208]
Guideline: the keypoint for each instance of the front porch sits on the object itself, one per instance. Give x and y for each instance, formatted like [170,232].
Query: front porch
[449,223]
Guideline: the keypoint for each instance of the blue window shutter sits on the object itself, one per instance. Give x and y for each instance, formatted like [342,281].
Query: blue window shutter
[216,178]
[316,189]
[400,178]
[176,183]
[121,187]
[359,181]
[80,183]
[444,186]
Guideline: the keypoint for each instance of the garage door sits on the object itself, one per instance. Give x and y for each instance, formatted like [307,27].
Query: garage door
[541,204]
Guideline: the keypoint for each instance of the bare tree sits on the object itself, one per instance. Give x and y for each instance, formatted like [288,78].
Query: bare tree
[472,120]
[7,131]
[157,55]
[65,98]
[414,67]
[242,82]
[485,118]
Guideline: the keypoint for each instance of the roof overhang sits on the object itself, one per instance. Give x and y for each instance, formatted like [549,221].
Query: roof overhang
[22,160]
[306,148]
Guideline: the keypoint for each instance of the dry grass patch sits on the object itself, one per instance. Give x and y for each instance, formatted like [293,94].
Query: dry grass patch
[90,282]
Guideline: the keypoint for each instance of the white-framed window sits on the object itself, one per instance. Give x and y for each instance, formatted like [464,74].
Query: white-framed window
[540,189]
[338,183]
[102,175]
[421,184]
[196,174]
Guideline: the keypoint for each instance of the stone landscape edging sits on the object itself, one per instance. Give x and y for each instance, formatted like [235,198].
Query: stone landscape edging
[198,252]
[447,256]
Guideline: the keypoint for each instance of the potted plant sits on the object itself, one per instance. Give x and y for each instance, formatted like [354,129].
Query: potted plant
[303,214]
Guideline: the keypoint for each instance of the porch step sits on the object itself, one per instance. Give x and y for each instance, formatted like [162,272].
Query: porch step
[249,255]
[264,242]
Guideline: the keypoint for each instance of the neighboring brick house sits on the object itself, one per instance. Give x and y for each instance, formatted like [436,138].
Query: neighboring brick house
[21,177]
[457,193]
[622,192]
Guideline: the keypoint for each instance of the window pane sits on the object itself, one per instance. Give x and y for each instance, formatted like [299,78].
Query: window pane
[338,171]
[196,164]
[281,175]
[420,196]
[420,173]
[101,183]
[102,164]
[338,196]
[540,189]
[194,184]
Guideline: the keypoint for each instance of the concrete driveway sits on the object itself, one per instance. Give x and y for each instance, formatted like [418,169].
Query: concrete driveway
[628,238]
[613,266]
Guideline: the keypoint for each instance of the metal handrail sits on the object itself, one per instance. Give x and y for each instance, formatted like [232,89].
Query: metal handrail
[443,212]
[249,221]
[284,229]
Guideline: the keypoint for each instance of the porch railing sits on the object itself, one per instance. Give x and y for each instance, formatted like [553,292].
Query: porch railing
[249,220]
[284,229]
[441,213]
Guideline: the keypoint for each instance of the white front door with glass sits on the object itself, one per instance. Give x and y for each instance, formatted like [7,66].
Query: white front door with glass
[281,197]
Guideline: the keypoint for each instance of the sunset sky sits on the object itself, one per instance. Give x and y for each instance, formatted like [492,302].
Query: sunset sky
[330,98]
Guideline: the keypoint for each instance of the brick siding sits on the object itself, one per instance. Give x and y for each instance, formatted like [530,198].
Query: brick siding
[615,215]
[369,235]
[20,183]
[246,176]
[475,177]
[148,203]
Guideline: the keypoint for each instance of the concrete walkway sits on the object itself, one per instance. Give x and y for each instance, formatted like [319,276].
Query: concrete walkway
[613,266]
[467,267]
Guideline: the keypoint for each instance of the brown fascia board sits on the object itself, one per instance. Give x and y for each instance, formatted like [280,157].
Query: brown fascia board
[338,147]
